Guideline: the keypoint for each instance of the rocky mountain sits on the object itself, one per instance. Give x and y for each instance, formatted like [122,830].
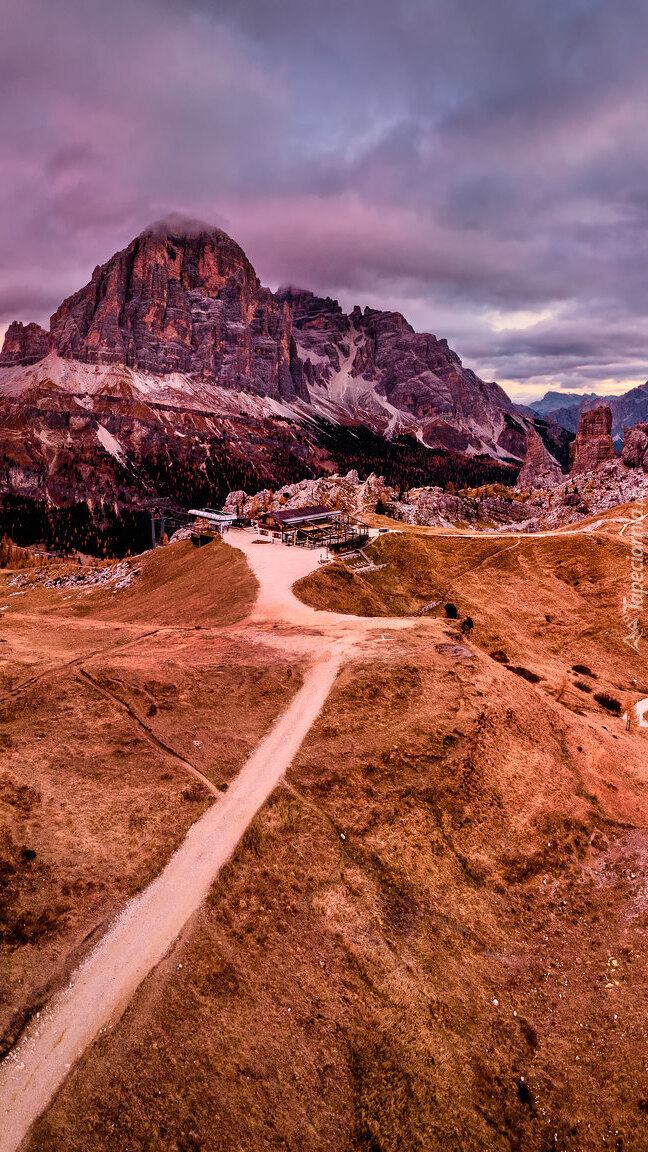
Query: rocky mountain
[175,372]
[183,300]
[554,401]
[566,408]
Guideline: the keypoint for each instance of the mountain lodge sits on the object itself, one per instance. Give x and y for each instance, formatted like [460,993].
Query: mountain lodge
[313,527]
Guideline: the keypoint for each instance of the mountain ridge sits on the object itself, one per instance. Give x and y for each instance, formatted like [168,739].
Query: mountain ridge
[187,299]
[175,372]
[628,409]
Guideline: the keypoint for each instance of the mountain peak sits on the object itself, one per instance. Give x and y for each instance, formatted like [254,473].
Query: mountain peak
[165,304]
[184,298]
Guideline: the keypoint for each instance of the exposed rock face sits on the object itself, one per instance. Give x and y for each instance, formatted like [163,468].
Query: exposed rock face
[24,344]
[539,470]
[185,299]
[635,446]
[182,300]
[347,493]
[430,505]
[606,486]
[399,380]
[177,352]
[593,444]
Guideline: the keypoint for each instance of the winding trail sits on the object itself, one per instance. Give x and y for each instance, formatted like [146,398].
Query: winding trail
[105,982]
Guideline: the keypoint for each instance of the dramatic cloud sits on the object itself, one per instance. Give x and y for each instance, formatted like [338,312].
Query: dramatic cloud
[483,168]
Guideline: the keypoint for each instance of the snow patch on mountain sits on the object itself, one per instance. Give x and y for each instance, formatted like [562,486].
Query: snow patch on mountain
[110,443]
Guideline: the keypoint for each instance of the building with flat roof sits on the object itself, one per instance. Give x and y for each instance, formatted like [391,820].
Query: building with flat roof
[212,520]
[313,527]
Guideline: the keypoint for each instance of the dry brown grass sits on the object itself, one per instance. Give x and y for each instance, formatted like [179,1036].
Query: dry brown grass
[420,569]
[181,585]
[178,585]
[91,807]
[433,937]
[341,992]
[549,603]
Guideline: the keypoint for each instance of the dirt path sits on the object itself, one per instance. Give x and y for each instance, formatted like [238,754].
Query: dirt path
[277,567]
[102,987]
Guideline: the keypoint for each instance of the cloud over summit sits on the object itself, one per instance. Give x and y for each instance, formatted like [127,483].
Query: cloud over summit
[462,162]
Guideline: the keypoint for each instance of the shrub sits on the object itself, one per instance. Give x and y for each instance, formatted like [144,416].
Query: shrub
[451,611]
[583,670]
[582,687]
[610,703]
[500,656]
[467,625]
[525,673]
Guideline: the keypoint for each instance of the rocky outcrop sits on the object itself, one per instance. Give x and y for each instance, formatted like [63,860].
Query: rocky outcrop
[539,470]
[607,486]
[348,493]
[430,505]
[23,344]
[635,446]
[593,444]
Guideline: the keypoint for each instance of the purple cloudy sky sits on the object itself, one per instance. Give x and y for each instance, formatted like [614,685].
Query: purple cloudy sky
[481,165]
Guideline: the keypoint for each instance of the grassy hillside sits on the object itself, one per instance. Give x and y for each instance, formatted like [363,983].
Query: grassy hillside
[182,584]
[431,939]
[171,586]
[546,604]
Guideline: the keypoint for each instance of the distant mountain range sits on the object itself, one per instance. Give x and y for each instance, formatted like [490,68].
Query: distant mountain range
[565,409]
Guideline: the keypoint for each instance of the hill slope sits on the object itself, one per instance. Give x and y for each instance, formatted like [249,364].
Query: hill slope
[432,936]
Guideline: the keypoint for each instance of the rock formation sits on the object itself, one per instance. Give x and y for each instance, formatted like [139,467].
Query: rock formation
[429,505]
[593,444]
[635,446]
[186,300]
[175,370]
[539,470]
[24,344]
